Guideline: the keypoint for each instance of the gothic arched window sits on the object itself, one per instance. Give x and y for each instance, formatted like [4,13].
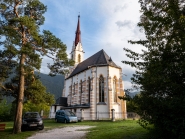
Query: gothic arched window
[114,89]
[79,58]
[101,89]
[72,56]
[74,88]
[89,88]
[81,85]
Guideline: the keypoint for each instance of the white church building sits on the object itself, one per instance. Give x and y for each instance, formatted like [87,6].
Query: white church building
[92,88]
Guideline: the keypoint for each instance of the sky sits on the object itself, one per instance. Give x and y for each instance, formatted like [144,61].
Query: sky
[105,24]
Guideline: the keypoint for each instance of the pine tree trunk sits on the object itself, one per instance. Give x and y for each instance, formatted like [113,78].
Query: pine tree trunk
[20,96]
[18,117]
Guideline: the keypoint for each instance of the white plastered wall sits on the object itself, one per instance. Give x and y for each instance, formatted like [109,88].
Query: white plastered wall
[115,72]
[102,109]
[76,79]
[53,112]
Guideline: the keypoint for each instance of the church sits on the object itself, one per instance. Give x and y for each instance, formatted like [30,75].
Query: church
[92,87]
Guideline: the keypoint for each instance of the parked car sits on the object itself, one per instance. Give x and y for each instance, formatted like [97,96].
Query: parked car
[32,120]
[65,116]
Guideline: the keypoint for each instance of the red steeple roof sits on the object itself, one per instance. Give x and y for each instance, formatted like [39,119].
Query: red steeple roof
[78,32]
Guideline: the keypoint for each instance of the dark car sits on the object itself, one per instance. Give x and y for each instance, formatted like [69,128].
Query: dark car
[32,120]
[65,116]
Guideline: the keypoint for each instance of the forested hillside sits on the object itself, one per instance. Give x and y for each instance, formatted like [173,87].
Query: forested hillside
[54,84]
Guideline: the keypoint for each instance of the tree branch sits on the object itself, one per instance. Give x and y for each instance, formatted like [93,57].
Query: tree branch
[17,3]
[2,86]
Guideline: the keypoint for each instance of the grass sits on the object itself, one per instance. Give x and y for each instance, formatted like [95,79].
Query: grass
[125,129]
[7,133]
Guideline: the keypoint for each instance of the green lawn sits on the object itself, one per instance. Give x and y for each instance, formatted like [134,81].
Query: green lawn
[125,129]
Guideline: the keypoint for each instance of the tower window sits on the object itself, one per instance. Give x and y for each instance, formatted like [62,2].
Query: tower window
[79,58]
[101,89]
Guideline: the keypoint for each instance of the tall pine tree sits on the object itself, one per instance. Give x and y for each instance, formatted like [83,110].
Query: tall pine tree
[160,73]
[19,28]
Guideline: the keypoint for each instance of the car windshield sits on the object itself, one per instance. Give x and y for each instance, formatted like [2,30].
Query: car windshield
[69,113]
[31,115]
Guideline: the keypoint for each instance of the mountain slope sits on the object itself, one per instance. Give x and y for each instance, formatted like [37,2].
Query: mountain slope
[54,85]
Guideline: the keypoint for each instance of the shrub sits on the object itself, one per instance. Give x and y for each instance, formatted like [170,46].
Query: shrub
[5,111]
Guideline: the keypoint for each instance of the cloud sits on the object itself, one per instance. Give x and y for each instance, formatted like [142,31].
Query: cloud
[125,23]
[127,85]
[105,24]
[120,8]
[120,26]
[45,61]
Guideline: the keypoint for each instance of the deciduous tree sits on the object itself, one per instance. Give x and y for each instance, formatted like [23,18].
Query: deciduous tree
[160,73]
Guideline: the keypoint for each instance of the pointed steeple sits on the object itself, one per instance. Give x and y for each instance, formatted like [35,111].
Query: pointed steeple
[78,32]
[77,53]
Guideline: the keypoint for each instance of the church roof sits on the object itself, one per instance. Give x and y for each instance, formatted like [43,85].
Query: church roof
[98,59]
[61,101]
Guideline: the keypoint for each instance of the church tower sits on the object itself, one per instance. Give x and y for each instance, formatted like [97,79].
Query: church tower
[77,53]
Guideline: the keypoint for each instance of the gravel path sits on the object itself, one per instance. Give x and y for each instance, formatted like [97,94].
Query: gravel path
[72,132]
